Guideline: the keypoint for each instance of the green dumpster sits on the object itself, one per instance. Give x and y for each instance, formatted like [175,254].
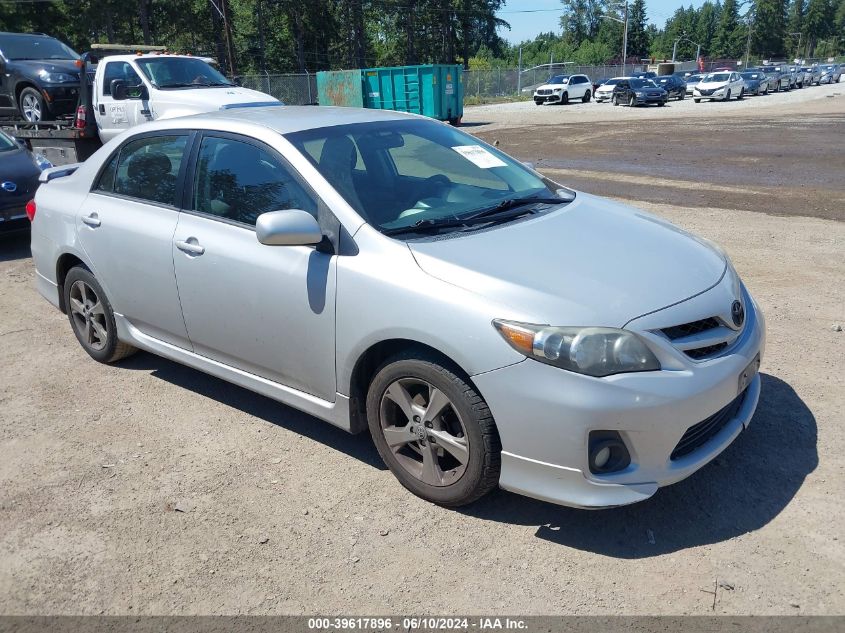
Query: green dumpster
[434,90]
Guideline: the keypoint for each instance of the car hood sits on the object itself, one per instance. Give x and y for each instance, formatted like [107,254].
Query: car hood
[552,86]
[196,100]
[592,262]
[32,67]
[709,85]
[17,166]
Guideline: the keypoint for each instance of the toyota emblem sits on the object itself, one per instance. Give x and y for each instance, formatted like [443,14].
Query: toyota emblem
[737,313]
[9,186]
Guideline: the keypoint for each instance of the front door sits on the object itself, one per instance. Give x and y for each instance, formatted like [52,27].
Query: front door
[268,310]
[114,117]
[126,229]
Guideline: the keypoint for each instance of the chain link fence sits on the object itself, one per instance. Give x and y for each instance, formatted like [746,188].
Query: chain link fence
[298,89]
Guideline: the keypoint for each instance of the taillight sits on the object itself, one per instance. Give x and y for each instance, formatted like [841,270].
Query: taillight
[30,210]
[81,116]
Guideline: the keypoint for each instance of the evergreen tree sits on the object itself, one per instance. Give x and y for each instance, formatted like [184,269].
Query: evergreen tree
[818,23]
[767,36]
[638,39]
[794,26]
[729,40]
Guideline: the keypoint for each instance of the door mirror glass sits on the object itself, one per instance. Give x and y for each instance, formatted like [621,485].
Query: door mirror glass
[118,90]
[292,227]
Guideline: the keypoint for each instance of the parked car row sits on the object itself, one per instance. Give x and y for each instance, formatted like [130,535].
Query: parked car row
[721,85]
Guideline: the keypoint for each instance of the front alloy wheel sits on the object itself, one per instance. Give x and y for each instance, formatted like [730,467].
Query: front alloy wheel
[433,430]
[32,105]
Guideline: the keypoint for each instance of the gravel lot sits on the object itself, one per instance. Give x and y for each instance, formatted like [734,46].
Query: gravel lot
[147,487]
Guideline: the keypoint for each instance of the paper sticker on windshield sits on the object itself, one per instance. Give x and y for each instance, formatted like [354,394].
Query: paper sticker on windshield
[479,156]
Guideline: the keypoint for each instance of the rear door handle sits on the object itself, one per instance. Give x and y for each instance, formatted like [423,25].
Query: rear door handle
[92,220]
[190,246]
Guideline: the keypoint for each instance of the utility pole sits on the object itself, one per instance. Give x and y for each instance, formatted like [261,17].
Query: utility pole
[227,29]
[625,39]
[519,74]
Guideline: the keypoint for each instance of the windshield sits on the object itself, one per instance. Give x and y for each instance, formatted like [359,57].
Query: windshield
[7,143]
[398,174]
[559,79]
[34,47]
[642,83]
[181,72]
[717,77]
[693,78]
[612,82]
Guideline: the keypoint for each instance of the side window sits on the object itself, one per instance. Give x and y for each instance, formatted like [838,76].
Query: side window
[240,181]
[105,182]
[119,70]
[148,167]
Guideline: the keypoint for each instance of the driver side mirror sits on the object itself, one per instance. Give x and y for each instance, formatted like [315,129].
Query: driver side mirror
[118,90]
[291,227]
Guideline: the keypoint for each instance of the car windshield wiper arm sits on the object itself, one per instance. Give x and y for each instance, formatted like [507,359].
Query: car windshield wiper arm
[511,203]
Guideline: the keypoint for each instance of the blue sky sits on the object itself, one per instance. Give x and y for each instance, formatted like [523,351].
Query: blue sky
[545,16]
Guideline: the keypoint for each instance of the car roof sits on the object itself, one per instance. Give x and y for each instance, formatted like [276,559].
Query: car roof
[130,56]
[281,119]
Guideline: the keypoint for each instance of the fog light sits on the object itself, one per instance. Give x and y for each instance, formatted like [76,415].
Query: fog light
[607,452]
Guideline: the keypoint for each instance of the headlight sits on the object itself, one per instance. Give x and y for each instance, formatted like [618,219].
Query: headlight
[558,89]
[42,162]
[56,78]
[639,94]
[594,351]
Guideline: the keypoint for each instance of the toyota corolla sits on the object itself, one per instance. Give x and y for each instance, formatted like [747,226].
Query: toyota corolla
[387,272]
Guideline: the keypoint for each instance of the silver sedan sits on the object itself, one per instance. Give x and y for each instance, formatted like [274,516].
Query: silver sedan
[387,272]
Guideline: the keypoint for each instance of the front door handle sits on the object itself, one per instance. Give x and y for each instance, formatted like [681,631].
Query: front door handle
[92,220]
[190,246]
[102,108]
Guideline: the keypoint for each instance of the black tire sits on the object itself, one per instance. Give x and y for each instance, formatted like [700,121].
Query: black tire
[727,96]
[741,94]
[660,104]
[632,102]
[697,100]
[682,96]
[538,102]
[113,349]
[586,98]
[615,100]
[31,95]
[484,461]
[564,98]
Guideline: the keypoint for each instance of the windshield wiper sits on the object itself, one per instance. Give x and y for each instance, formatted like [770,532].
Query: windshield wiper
[511,203]
[496,213]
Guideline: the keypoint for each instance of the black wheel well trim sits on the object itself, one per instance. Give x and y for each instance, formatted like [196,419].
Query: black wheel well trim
[368,363]
[64,264]
[23,85]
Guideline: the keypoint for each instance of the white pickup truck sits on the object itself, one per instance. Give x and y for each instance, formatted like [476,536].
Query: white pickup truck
[127,90]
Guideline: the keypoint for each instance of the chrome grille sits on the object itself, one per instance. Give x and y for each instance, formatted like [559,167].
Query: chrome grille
[701,339]
[687,329]
[544,92]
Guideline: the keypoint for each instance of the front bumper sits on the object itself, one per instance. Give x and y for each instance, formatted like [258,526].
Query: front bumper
[545,415]
[603,96]
[61,99]
[648,100]
[552,98]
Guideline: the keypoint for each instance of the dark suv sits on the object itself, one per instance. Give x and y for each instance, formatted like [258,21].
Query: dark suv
[634,92]
[39,78]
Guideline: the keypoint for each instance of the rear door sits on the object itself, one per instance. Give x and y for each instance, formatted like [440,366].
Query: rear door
[267,310]
[126,229]
[114,117]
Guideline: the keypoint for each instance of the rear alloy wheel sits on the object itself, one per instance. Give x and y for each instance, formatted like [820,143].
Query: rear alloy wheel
[91,317]
[433,430]
[586,98]
[32,106]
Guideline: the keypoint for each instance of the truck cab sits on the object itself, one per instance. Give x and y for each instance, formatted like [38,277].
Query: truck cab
[133,89]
